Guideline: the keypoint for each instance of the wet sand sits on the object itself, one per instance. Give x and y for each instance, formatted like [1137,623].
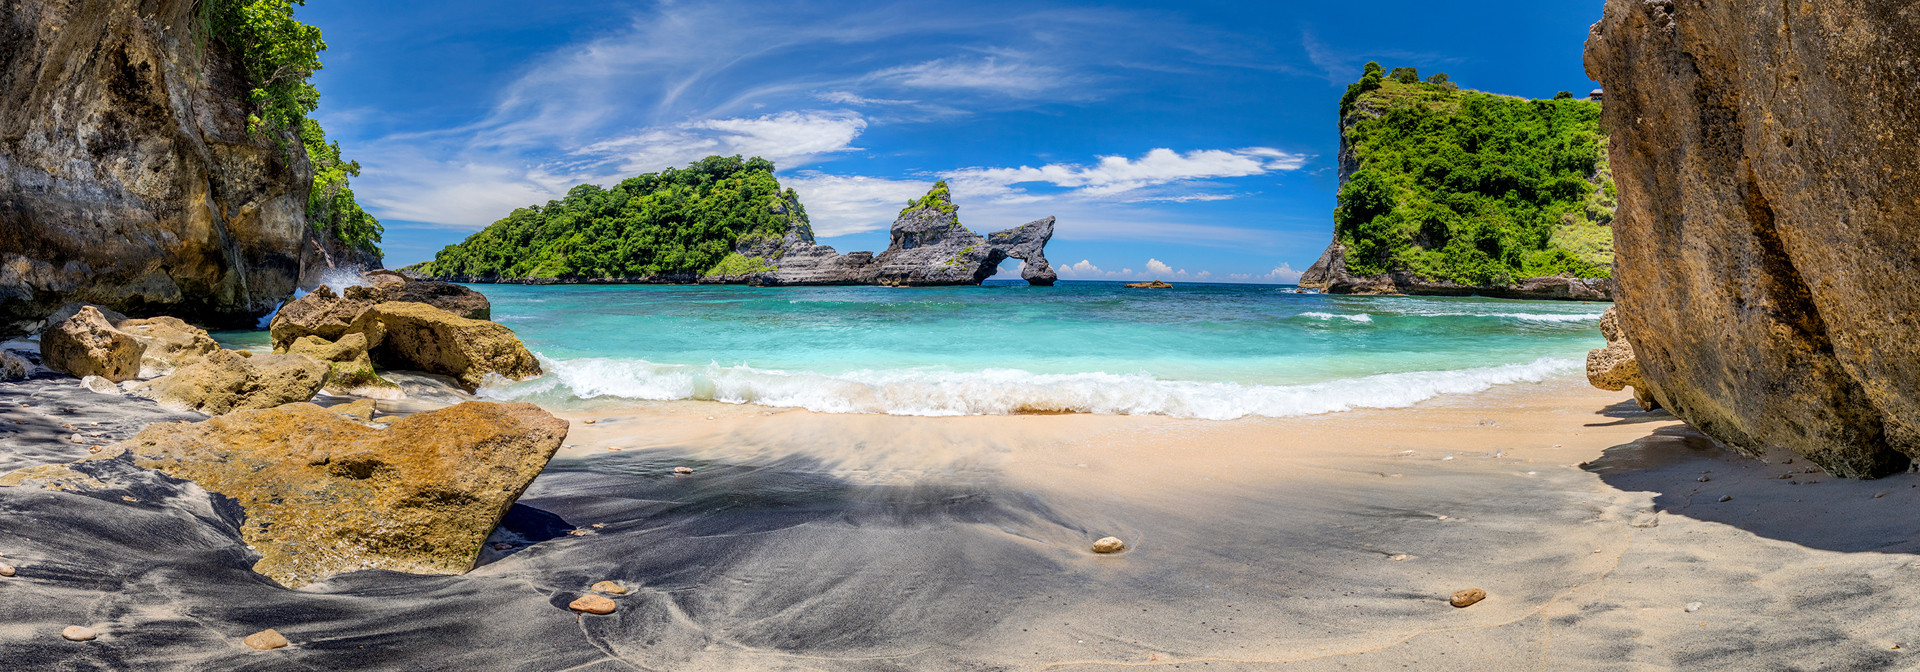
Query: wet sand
[807,541]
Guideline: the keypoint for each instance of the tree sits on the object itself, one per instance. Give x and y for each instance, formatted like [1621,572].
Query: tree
[1406,75]
[1563,95]
[1373,68]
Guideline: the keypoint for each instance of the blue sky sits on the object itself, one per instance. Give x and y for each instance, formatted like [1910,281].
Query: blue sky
[1171,139]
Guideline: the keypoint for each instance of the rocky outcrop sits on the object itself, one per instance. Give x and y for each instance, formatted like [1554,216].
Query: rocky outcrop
[1156,284]
[351,366]
[230,380]
[170,344]
[325,495]
[1613,368]
[928,247]
[420,337]
[87,345]
[1768,233]
[328,315]
[1329,274]
[128,176]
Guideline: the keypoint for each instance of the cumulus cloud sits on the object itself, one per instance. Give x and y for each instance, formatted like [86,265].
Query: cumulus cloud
[841,204]
[1280,275]
[1156,270]
[1116,175]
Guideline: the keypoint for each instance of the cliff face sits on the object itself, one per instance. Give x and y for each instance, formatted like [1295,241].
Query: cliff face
[1768,235]
[128,177]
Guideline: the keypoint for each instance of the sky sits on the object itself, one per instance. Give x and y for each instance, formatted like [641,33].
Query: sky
[1191,140]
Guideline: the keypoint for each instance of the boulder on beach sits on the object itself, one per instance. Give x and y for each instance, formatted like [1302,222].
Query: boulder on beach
[229,380]
[88,345]
[419,496]
[12,366]
[329,315]
[320,313]
[1614,368]
[350,366]
[421,337]
[171,343]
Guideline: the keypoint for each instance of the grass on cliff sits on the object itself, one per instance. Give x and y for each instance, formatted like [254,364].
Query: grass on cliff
[1472,187]
[278,55]
[674,222]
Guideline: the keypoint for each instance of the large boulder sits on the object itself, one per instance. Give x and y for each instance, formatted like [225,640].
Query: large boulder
[420,337]
[326,495]
[229,380]
[171,344]
[1613,368]
[1768,236]
[351,367]
[87,345]
[320,312]
[328,315]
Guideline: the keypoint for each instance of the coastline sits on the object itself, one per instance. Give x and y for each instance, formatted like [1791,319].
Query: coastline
[841,541]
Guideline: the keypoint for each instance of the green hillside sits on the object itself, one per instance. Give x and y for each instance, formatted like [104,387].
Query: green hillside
[1471,187]
[670,223]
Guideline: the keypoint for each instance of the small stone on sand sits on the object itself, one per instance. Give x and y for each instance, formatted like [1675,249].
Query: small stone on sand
[1397,558]
[610,588]
[1467,598]
[502,547]
[6,569]
[1704,479]
[588,421]
[1726,498]
[599,525]
[76,633]
[265,640]
[683,470]
[1109,545]
[592,604]
[1693,607]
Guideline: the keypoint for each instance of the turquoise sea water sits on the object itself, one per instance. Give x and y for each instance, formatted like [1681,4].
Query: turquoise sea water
[1208,351]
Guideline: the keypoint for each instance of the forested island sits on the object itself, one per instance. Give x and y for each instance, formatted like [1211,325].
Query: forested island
[1451,191]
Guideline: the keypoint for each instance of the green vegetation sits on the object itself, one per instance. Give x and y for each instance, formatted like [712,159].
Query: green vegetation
[937,198]
[278,54]
[674,222]
[1472,187]
[331,209]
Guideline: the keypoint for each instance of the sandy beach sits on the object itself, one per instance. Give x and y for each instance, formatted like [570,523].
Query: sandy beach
[836,542]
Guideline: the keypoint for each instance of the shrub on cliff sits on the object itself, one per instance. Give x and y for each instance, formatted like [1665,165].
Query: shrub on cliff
[674,222]
[1472,187]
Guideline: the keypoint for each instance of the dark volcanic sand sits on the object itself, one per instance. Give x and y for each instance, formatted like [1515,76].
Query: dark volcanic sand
[809,542]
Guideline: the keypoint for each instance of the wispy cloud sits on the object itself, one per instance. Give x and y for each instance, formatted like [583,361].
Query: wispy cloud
[988,74]
[1115,175]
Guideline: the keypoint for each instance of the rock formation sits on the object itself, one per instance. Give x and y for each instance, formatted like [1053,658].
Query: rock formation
[424,338]
[400,323]
[1614,368]
[351,366]
[929,247]
[326,314]
[1329,274]
[230,380]
[1768,233]
[170,344]
[87,345]
[128,176]
[325,495]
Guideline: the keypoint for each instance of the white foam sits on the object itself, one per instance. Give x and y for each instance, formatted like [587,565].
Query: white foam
[1362,317]
[1001,391]
[1524,317]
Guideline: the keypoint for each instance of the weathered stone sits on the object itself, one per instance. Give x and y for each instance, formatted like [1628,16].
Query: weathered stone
[1614,368]
[683,470]
[1109,545]
[592,604]
[1329,274]
[1156,284]
[130,176]
[12,366]
[1769,222]
[171,344]
[388,287]
[87,345]
[419,496]
[1467,598]
[319,313]
[7,570]
[100,385]
[610,587]
[350,366]
[420,337]
[51,477]
[266,640]
[361,410]
[76,633]
[228,381]
[1028,243]
[67,312]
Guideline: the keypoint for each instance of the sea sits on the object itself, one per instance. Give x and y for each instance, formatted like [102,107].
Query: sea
[1213,351]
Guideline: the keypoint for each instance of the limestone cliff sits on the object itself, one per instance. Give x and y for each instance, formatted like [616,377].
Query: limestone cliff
[928,247]
[128,176]
[1768,233]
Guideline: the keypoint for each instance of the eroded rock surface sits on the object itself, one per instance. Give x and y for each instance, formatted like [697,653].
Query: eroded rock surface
[1329,274]
[87,345]
[420,337]
[1614,368]
[1768,233]
[327,314]
[170,344]
[419,496]
[229,380]
[928,247]
[128,175]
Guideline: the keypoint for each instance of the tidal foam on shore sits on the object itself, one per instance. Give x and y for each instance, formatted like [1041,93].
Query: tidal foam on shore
[999,391]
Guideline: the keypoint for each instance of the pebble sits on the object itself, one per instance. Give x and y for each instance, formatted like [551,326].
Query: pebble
[1704,479]
[599,525]
[610,587]
[1109,545]
[502,547]
[6,569]
[266,640]
[75,633]
[1693,607]
[683,470]
[1467,598]
[592,604]
[1726,498]
[587,421]
[1878,495]
[1398,558]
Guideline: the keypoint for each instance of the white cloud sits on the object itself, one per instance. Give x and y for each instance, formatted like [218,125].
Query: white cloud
[784,138]
[1156,270]
[845,98]
[842,204]
[986,74]
[1115,175]
[1280,275]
